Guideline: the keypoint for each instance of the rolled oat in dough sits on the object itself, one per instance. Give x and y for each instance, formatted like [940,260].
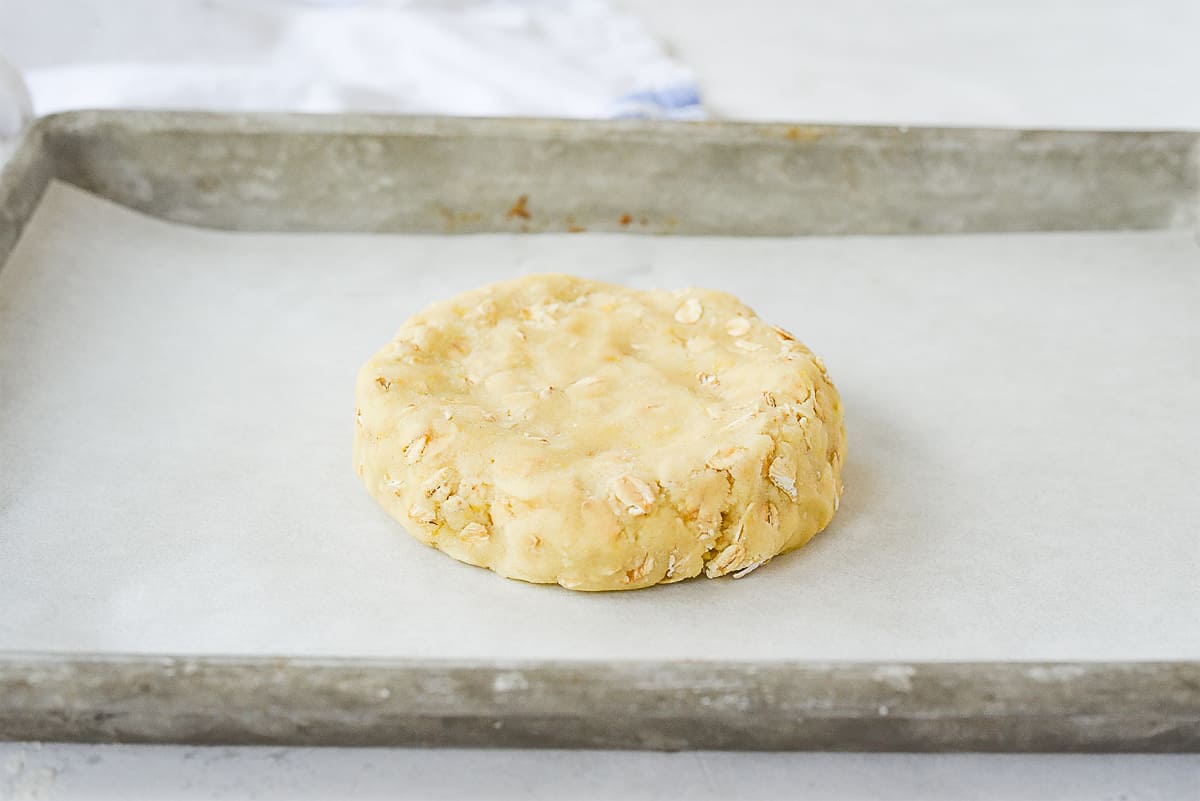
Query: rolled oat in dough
[558,430]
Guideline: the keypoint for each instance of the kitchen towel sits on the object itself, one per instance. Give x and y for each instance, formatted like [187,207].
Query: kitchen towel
[536,58]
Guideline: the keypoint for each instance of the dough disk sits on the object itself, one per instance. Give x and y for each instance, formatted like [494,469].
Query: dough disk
[559,430]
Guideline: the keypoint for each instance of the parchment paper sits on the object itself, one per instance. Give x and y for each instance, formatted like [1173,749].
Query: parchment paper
[1023,476]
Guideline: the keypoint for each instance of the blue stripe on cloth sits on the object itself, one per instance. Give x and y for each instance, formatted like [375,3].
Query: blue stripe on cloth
[673,102]
[671,97]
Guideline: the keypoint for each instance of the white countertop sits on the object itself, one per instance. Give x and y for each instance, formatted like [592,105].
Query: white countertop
[1061,63]
[56,772]
[1007,63]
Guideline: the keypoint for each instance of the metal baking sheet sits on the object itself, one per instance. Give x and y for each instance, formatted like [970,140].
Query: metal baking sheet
[1014,565]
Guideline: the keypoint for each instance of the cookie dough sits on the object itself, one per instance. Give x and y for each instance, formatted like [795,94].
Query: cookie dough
[559,430]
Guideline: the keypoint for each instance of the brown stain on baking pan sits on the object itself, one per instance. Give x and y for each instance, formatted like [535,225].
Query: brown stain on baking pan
[519,209]
[798,133]
[454,218]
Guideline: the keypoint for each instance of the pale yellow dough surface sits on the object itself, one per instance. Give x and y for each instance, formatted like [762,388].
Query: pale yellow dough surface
[559,430]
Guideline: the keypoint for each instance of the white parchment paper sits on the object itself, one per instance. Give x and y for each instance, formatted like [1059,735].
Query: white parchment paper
[1022,482]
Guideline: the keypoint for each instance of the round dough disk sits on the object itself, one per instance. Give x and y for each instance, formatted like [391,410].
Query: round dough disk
[559,430]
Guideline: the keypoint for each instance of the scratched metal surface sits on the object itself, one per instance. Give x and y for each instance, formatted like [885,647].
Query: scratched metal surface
[369,173]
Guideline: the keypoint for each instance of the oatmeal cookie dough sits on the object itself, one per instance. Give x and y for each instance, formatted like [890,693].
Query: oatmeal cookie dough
[560,430]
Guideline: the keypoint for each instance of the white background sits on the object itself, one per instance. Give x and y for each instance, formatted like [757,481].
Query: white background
[1044,64]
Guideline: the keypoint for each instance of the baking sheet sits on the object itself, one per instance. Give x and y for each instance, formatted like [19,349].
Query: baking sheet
[175,424]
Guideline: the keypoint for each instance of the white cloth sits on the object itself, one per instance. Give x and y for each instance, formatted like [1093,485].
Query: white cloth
[16,107]
[558,58]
